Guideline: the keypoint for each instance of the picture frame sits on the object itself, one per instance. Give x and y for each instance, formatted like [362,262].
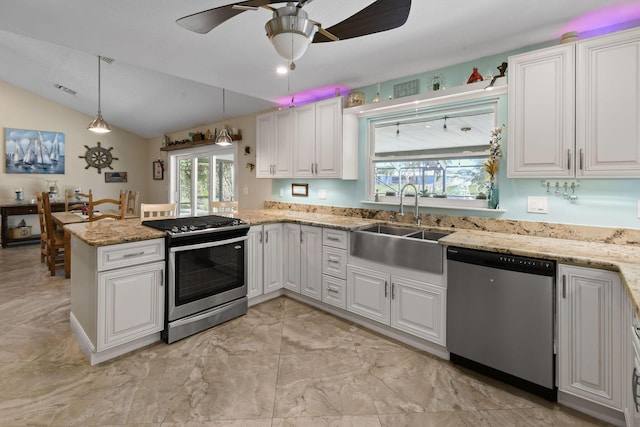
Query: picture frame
[115,177]
[300,190]
[406,89]
[29,151]
[158,170]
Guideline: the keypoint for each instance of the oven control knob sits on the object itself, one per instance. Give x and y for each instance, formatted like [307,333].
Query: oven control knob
[174,229]
[184,228]
[192,227]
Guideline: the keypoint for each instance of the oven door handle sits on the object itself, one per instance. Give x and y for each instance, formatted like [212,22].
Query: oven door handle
[207,244]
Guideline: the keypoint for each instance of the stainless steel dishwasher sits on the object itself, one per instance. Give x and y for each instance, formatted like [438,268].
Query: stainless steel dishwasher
[501,316]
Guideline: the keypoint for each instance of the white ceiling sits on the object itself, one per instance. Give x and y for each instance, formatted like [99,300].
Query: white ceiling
[166,78]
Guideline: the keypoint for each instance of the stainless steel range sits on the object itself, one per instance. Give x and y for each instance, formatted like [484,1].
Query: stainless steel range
[206,280]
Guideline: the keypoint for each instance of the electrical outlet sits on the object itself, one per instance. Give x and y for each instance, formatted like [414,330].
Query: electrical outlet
[638,208]
[537,205]
[322,194]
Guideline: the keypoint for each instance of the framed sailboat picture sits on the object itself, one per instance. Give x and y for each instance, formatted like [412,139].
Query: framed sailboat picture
[34,151]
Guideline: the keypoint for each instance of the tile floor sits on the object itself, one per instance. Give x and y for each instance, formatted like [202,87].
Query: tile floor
[283,364]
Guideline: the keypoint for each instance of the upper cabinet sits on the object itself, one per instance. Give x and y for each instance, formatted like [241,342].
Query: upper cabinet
[574,109]
[311,143]
[273,148]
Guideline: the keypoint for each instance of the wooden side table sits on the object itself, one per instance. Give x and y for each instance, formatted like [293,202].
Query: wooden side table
[24,208]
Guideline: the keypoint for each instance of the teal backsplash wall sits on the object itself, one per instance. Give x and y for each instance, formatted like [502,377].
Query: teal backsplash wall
[600,202]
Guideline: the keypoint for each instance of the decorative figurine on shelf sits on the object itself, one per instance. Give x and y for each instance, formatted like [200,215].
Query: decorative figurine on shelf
[475,76]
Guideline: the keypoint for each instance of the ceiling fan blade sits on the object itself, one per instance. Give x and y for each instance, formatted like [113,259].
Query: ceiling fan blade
[380,16]
[327,34]
[205,21]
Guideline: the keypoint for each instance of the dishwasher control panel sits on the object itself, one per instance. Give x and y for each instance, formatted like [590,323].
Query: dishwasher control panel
[523,264]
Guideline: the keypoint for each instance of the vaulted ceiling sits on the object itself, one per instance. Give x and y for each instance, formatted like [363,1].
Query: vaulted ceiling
[165,78]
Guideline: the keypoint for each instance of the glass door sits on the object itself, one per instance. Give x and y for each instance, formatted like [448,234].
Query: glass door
[201,177]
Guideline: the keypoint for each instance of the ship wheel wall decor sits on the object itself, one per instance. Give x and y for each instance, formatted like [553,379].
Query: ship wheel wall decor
[98,157]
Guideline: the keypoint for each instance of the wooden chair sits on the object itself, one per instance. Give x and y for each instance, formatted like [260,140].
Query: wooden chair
[131,202]
[54,239]
[74,201]
[149,212]
[117,213]
[224,208]
[44,252]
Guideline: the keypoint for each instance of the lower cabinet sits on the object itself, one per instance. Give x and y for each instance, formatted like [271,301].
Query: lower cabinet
[117,296]
[303,259]
[273,257]
[406,304]
[130,304]
[255,262]
[631,379]
[590,335]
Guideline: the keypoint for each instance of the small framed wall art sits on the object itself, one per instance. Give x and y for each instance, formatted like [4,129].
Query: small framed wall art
[300,190]
[115,177]
[158,170]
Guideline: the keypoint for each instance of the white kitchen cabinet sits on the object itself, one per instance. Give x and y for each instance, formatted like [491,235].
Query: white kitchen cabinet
[292,257]
[130,304]
[590,335]
[541,104]
[631,379]
[405,304]
[334,291]
[117,296]
[303,260]
[318,136]
[592,86]
[255,262]
[608,105]
[334,267]
[274,133]
[311,261]
[273,257]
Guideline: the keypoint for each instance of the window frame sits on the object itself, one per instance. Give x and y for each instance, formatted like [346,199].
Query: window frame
[432,110]
[211,151]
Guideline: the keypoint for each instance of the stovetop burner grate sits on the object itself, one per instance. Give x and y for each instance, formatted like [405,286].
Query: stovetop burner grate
[193,223]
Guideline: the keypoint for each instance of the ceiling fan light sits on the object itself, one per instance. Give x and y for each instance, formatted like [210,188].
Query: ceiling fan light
[99,125]
[291,35]
[223,138]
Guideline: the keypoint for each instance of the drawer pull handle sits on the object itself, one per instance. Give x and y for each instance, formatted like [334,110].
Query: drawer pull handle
[334,239]
[131,255]
[333,291]
[334,261]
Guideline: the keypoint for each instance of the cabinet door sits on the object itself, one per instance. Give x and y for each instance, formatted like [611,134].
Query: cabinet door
[283,145]
[541,105]
[590,334]
[292,257]
[130,304]
[311,261]
[265,140]
[334,291]
[608,105]
[273,257]
[334,262]
[304,137]
[418,308]
[368,293]
[328,147]
[255,261]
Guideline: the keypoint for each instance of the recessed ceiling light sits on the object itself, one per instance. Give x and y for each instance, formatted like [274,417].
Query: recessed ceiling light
[282,70]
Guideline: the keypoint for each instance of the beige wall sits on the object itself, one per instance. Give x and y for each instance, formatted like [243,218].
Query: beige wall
[24,110]
[257,190]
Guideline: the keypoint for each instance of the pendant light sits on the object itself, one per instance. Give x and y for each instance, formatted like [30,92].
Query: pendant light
[98,125]
[223,137]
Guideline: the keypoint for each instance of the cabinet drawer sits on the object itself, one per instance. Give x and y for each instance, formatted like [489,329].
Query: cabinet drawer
[334,238]
[334,262]
[334,291]
[128,254]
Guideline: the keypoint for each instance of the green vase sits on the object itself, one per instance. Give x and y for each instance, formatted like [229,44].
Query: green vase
[493,197]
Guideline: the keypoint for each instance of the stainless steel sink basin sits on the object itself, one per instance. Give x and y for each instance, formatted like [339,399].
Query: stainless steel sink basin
[389,229]
[428,235]
[400,247]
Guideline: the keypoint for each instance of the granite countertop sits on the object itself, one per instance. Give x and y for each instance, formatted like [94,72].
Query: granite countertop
[109,232]
[615,257]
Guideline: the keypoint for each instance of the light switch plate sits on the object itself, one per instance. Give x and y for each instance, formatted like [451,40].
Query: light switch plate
[322,194]
[638,208]
[537,205]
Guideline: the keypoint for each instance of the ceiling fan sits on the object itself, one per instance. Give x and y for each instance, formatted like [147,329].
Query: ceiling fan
[291,31]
